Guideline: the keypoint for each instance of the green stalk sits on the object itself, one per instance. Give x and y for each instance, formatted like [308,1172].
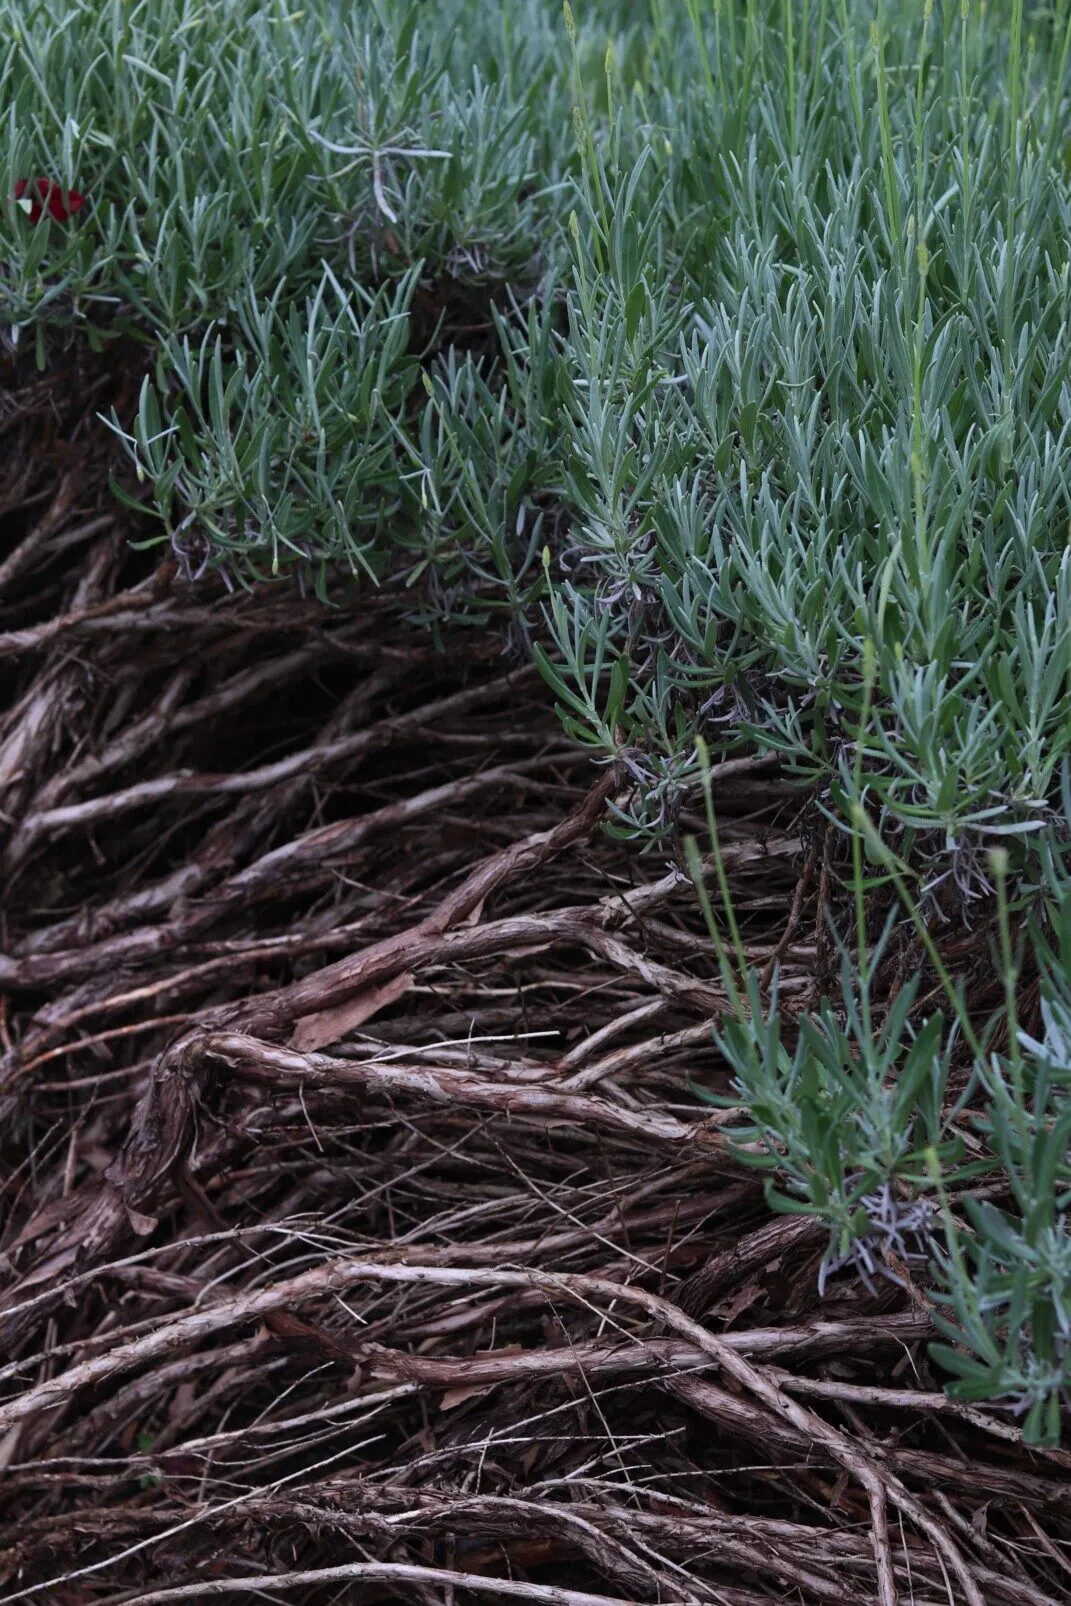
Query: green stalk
[1021,1115]
[1014,74]
[897,873]
[732,987]
[853,76]
[507,47]
[892,193]
[608,68]
[695,870]
[817,53]
[731,16]
[718,56]
[787,11]
[751,49]
[701,43]
[584,137]
[927,14]
[965,137]
[1057,88]
[858,888]
[919,466]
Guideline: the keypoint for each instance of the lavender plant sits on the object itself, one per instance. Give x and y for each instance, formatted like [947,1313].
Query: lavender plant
[856,1127]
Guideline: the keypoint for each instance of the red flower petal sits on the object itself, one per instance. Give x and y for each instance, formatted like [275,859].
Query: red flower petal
[52,196]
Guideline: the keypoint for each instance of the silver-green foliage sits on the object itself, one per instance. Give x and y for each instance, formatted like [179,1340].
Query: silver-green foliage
[828,404]
[226,147]
[302,409]
[855,1124]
